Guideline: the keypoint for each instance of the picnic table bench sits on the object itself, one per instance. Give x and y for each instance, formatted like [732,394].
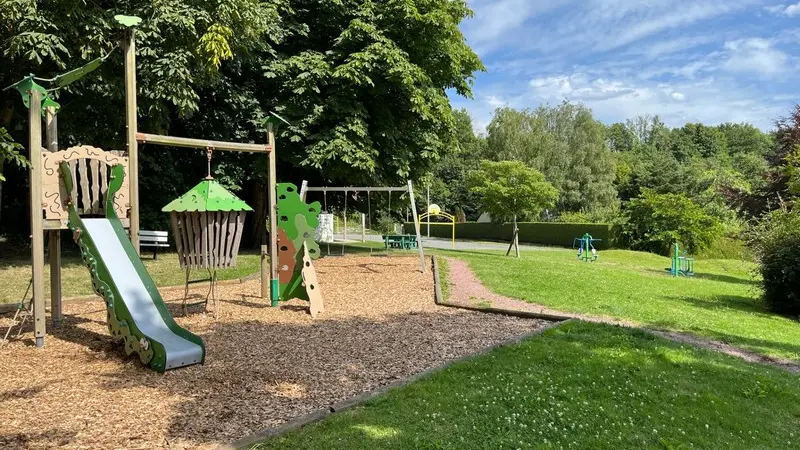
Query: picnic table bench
[155,239]
[404,241]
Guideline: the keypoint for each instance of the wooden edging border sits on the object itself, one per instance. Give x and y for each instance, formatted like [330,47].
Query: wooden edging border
[359,399]
[438,298]
[11,307]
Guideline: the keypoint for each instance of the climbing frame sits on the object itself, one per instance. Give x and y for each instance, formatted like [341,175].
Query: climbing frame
[297,222]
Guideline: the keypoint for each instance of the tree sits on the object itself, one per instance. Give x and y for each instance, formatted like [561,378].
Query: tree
[362,83]
[563,142]
[509,189]
[449,178]
[653,222]
[9,151]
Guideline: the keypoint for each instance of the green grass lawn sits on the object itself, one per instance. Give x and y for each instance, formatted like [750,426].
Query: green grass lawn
[15,274]
[721,301]
[578,386]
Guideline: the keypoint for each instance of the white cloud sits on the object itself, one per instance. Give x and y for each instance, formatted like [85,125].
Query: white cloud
[755,55]
[786,10]
[678,96]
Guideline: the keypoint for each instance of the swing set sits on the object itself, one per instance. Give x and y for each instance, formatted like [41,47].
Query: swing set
[305,189]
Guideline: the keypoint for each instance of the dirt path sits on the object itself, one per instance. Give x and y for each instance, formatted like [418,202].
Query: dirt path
[467,289]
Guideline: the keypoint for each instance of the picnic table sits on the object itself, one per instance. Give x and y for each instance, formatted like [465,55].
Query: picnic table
[404,241]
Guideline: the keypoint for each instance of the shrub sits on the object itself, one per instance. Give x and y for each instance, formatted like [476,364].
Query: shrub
[652,222]
[777,247]
[386,225]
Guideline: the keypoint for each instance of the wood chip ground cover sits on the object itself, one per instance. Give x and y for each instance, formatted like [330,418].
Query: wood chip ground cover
[264,367]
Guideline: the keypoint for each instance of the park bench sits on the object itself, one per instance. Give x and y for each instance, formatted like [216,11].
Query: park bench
[154,239]
[404,241]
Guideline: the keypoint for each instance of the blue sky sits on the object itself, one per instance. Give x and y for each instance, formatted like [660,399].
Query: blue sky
[706,61]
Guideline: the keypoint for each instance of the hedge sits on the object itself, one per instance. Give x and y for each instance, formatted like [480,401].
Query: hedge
[543,233]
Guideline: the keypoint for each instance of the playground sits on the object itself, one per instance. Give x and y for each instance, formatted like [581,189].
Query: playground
[264,366]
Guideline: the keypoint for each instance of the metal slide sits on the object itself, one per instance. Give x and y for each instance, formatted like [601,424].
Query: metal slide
[137,314]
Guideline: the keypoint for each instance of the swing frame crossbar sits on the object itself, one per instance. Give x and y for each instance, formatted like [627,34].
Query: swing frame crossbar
[408,188]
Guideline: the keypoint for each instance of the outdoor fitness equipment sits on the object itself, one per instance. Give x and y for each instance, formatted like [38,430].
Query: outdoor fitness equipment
[435,211]
[586,250]
[682,265]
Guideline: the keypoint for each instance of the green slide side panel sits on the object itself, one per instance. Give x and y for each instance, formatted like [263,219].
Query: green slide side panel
[120,322]
[299,221]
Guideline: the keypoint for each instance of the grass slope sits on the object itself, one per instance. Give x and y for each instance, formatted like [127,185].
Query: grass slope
[577,386]
[721,301]
[75,280]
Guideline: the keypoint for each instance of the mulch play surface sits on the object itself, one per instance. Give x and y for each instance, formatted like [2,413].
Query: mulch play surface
[264,365]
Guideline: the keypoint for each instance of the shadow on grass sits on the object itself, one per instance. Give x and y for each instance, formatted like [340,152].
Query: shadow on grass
[721,302]
[712,277]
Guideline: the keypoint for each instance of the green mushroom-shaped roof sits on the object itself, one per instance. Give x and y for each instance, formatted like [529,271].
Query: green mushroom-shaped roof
[207,196]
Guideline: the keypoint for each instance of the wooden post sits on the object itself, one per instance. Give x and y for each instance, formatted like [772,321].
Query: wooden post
[37,224]
[130,132]
[416,227]
[514,239]
[273,224]
[363,228]
[54,235]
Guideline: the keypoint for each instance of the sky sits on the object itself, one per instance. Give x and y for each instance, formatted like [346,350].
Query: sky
[708,61]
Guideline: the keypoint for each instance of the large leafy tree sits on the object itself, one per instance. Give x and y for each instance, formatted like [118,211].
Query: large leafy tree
[448,181]
[363,84]
[566,144]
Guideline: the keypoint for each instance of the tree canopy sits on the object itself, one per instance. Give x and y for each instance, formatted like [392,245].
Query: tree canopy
[509,189]
[362,83]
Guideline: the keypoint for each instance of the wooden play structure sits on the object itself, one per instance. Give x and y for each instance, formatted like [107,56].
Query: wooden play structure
[449,220]
[408,188]
[95,194]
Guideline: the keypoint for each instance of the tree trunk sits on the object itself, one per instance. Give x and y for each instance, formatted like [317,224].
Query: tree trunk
[514,239]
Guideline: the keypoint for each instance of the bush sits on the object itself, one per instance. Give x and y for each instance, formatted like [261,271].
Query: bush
[777,248]
[386,225]
[653,222]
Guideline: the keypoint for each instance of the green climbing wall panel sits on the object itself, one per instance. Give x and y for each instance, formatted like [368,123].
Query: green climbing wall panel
[297,221]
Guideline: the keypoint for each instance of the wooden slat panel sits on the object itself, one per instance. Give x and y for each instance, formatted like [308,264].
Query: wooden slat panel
[230,232]
[223,239]
[198,237]
[73,195]
[104,168]
[94,169]
[191,252]
[238,235]
[210,225]
[218,250]
[203,222]
[178,233]
[83,174]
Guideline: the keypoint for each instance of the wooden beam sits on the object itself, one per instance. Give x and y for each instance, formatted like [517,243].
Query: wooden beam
[131,126]
[37,217]
[174,141]
[54,236]
[358,189]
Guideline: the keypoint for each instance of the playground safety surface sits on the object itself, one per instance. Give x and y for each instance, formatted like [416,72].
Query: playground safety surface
[264,367]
